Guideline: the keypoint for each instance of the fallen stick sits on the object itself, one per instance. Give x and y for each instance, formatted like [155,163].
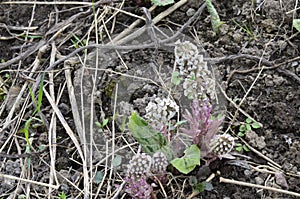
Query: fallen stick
[28,181]
[229,181]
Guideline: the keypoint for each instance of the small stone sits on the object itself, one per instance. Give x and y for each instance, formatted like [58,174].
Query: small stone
[190,12]
[280,180]
[259,180]
[237,37]
[248,173]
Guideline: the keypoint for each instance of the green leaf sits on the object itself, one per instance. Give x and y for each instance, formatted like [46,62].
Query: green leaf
[105,122]
[241,134]
[189,161]
[242,128]
[239,148]
[214,16]
[256,125]
[117,161]
[98,177]
[62,195]
[248,127]
[246,148]
[248,120]
[175,78]
[150,139]
[38,103]
[40,95]
[26,130]
[162,2]
[200,187]
[296,24]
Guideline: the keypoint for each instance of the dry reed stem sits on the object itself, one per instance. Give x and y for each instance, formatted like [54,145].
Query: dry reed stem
[74,139]
[49,3]
[29,181]
[236,182]
[52,127]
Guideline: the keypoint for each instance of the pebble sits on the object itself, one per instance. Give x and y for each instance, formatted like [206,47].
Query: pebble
[190,12]
[259,180]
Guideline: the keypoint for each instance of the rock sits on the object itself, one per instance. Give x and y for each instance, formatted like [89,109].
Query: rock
[259,180]
[190,12]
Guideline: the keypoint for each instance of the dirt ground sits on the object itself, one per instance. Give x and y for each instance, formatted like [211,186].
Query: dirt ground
[256,58]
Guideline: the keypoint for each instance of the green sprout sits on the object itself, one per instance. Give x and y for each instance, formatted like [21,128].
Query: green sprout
[246,29]
[244,128]
[78,42]
[62,195]
[38,104]
[103,124]
[247,126]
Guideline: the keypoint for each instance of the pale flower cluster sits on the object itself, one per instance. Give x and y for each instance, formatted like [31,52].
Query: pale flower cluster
[198,81]
[160,111]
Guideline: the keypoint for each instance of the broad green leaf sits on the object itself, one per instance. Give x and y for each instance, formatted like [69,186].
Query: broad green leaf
[189,161]
[296,24]
[150,139]
[162,2]
[214,16]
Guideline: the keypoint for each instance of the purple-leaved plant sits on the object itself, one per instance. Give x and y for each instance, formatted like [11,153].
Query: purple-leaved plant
[138,188]
[201,127]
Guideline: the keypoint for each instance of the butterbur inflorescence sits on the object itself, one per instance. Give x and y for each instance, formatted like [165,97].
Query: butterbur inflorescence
[136,180]
[221,145]
[159,162]
[160,111]
[139,169]
[198,80]
[140,165]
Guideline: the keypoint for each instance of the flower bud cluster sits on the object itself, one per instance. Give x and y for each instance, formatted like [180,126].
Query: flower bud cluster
[138,171]
[160,111]
[222,144]
[159,162]
[198,81]
[139,165]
